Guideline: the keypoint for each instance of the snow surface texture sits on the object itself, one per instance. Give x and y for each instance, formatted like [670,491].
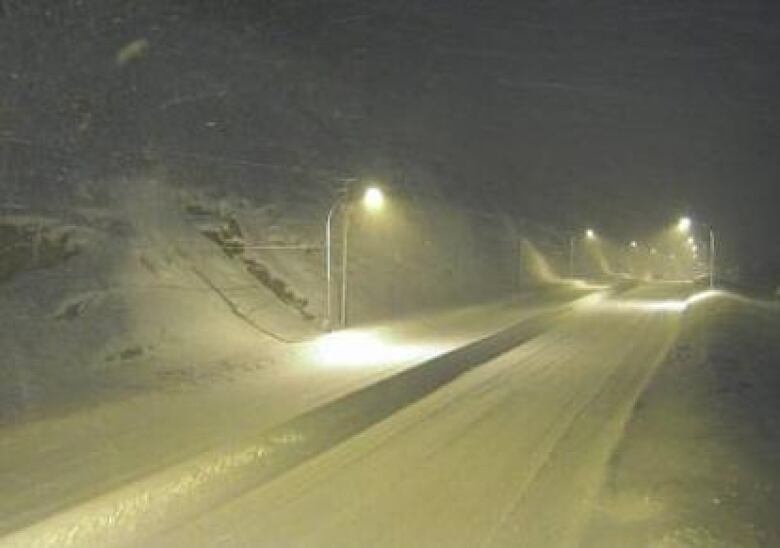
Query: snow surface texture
[506,455]
[140,296]
[699,465]
[187,435]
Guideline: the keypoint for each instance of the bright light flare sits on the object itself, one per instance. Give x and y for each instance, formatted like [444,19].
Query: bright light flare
[357,348]
[684,224]
[655,305]
[373,199]
[704,295]
[590,234]
[582,284]
[633,244]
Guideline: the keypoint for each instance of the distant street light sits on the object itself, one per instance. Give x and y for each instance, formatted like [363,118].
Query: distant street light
[373,200]
[590,234]
[684,226]
[630,260]
[712,258]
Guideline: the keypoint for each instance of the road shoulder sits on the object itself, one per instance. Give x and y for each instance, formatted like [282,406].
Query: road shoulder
[698,465]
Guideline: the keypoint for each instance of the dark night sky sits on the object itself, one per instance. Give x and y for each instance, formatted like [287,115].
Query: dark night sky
[628,113]
[618,114]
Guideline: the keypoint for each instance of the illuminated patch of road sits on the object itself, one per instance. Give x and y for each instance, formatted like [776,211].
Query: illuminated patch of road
[361,348]
[649,305]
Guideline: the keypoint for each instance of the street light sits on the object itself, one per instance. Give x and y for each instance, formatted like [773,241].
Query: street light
[590,234]
[684,226]
[373,200]
[712,258]
[633,248]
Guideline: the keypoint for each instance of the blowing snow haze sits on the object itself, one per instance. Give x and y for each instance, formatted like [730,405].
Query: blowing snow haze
[390,273]
[622,114]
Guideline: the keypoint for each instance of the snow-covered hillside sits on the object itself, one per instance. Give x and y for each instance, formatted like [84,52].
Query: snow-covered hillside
[163,285]
[165,176]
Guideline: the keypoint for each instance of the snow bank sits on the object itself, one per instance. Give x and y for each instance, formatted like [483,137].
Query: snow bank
[134,296]
[698,463]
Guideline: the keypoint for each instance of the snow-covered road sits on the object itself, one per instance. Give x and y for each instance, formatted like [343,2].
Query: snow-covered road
[510,453]
[48,466]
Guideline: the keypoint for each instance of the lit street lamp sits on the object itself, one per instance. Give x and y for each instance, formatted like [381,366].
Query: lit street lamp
[590,234]
[712,258]
[684,226]
[631,260]
[373,200]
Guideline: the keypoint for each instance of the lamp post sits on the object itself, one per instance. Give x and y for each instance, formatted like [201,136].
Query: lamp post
[684,226]
[571,255]
[328,263]
[373,199]
[712,258]
[590,234]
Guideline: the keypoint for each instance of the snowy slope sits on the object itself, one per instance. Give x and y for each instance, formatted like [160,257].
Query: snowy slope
[141,297]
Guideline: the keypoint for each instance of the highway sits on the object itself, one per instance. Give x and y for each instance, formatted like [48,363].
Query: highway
[510,452]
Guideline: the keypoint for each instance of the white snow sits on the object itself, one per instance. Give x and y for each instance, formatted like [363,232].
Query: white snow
[698,465]
[510,454]
[95,450]
[519,421]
